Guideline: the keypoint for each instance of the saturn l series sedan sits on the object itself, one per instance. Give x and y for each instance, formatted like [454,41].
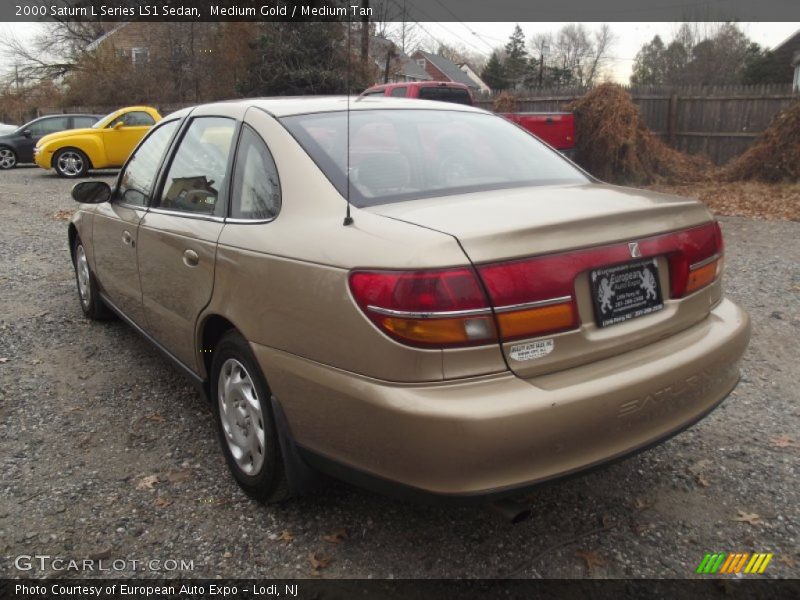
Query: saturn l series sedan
[484,316]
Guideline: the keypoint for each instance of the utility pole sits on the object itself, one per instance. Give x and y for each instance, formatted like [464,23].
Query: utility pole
[545,48]
[365,31]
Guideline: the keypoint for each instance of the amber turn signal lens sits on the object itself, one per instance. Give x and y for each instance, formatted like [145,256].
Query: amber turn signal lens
[442,331]
[702,276]
[536,321]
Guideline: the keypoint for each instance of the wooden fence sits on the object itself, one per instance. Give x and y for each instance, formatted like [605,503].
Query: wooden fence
[719,121]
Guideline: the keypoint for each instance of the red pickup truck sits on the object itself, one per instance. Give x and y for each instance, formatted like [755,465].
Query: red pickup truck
[555,128]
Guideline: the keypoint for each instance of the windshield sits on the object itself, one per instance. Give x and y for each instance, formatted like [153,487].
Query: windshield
[407,154]
[105,120]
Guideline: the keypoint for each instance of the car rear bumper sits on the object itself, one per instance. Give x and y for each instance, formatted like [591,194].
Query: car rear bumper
[494,435]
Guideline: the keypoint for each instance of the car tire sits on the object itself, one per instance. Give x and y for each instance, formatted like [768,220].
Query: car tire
[240,400]
[91,303]
[8,158]
[71,163]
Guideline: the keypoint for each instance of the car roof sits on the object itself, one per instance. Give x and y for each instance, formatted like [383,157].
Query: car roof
[68,115]
[452,84]
[285,106]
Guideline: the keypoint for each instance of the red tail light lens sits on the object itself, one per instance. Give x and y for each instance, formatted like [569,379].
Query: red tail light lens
[533,296]
[527,298]
[441,308]
[697,259]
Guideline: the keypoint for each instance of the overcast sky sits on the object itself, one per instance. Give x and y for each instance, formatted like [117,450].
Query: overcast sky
[481,37]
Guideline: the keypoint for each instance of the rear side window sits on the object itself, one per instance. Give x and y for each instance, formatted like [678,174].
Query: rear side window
[376,93]
[445,94]
[81,122]
[399,92]
[50,125]
[136,183]
[256,187]
[199,168]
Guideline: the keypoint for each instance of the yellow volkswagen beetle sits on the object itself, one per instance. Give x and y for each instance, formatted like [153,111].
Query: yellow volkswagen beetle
[107,144]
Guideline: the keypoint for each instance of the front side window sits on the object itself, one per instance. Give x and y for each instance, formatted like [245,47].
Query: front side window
[136,183]
[256,188]
[399,92]
[198,174]
[407,154]
[50,125]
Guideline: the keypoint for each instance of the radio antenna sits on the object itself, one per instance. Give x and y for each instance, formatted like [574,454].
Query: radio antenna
[348,220]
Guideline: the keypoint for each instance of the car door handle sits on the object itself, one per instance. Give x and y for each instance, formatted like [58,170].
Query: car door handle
[190,258]
[127,239]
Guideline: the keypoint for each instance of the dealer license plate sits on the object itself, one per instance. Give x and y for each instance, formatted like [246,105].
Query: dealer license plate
[625,292]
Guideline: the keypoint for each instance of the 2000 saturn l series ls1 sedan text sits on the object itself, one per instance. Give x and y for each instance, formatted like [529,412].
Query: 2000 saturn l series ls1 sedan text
[492,317]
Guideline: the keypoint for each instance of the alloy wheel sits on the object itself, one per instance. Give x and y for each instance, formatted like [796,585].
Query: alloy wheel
[70,163]
[84,281]
[8,159]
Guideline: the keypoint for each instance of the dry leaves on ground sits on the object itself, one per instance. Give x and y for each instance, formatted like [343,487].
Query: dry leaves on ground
[641,504]
[784,441]
[770,201]
[336,536]
[178,476]
[591,559]
[319,561]
[162,502]
[749,518]
[286,536]
[147,483]
[63,214]
[155,417]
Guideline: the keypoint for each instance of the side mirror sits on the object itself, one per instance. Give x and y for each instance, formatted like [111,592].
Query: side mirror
[91,192]
[26,133]
[118,125]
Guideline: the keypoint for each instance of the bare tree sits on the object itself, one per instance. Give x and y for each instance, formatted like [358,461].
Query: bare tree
[52,53]
[582,53]
[391,21]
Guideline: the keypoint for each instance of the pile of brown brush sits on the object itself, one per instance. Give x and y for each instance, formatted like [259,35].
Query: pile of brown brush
[774,156]
[505,103]
[615,145]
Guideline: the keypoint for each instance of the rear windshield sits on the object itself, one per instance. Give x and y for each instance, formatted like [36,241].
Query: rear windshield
[407,154]
[445,94]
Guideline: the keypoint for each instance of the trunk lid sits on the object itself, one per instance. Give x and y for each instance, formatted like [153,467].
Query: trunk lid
[504,225]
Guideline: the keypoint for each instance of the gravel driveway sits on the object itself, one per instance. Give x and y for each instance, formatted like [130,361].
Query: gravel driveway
[107,453]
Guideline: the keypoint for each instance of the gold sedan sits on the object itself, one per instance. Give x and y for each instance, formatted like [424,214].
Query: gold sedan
[415,296]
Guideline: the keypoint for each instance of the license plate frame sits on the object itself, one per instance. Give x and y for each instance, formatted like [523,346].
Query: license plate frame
[625,291]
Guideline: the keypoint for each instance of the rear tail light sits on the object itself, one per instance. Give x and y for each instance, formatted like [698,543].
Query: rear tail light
[443,307]
[533,296]
[698,259]
[526,298]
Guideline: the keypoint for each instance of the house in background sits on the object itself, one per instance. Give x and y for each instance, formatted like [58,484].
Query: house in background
[444,69]
[475,77]
[788,53]
[388,57]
